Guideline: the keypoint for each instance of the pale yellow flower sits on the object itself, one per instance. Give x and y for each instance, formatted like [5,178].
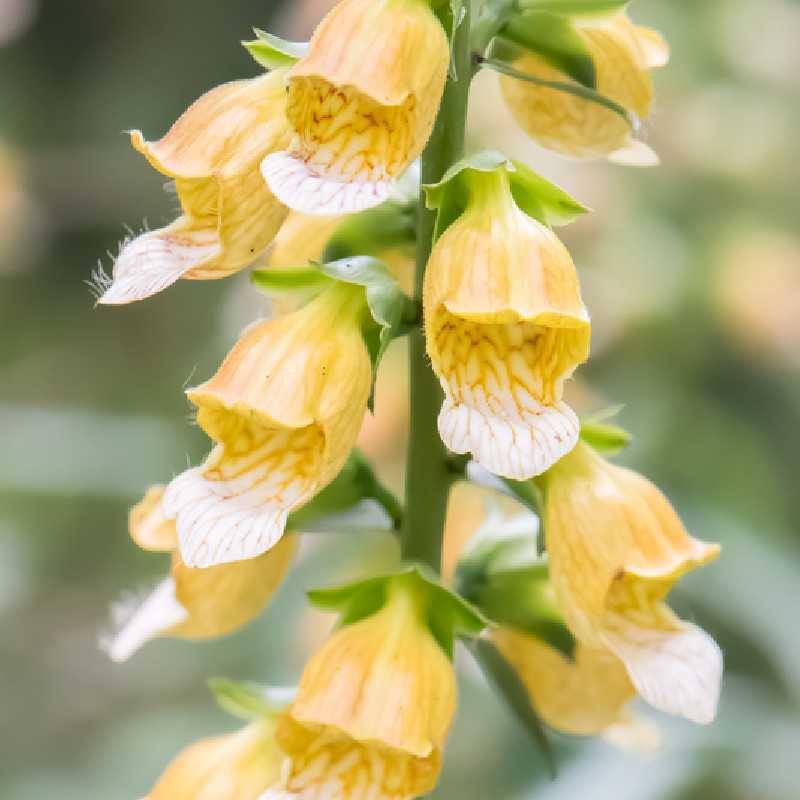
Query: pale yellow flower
[616,547]
[362,103]
[505,327]
[623,54]
[302,239]
[238,766]
[285,408]
[194,603]
[372,712]
[585,696]
[229,216]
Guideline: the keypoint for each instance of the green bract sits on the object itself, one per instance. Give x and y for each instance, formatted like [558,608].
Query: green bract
[446,614]
[555,39]
[605,437]
[272,52]
[535,195]
[577,8]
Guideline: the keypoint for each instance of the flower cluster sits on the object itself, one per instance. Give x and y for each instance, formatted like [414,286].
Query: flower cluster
[301,170]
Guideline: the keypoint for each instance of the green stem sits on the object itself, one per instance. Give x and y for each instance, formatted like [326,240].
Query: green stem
[428,474]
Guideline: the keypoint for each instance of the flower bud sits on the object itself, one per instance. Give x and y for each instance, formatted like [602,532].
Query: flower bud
[285,408]
[373,710]
[194,603]
[229,217]
[505,327]
[239,765]
[362,103]
[616,547]
[623,55]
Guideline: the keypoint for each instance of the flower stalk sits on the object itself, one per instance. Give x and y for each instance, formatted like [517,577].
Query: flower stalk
[428,473]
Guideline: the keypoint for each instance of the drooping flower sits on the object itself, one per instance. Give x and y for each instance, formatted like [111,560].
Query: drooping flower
[623,55]
[229,216]
[362,103]
[239,766]
[194,603]
[285,408]
[372,712]
[505,327]
[616,547]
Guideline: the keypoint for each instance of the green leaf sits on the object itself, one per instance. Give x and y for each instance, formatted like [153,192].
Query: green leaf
[555,39]
[247,700]
[447,614]
[576,8]
[280,280]
[502,677]
[458,12]
[389,307]
[272,52]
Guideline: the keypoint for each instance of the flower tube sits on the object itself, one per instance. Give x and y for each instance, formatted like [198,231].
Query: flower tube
[285,409]
[505,327]
[228,216]
[616,547]
[362,103]
[623,55]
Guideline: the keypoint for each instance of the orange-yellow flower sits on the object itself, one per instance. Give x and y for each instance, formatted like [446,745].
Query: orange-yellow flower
[195,603]
[285,408]
[616,547]
[372,712]
[505,327]
[623,55]
[229,216]
[362,103]
[240,765]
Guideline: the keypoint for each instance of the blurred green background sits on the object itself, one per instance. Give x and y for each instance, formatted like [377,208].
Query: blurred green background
[692,274]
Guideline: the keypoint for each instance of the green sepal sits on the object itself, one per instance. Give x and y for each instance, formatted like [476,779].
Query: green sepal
[535,195]
[605,437]
[272,52]
[355,482]
[391,310]
[556,40]
[502,677]
[576,8]
[448,616]
[249,701]
[291,279]
[372,232]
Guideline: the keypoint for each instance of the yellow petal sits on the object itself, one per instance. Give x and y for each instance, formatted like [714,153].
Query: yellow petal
[239,765]
[571,125]
[230,217]
[372,711]
[221,599]
[285,407]
[616,547]
[654,46]
[362,103]
[505,327]
[302,239]
[585,696]
[148,526]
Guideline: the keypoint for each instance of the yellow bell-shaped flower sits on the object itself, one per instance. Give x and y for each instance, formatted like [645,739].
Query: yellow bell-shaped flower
[505,327]
[240,765]
[585,696]
[623,55]
[194,603]
[372,712]
[229,216]
[362,103]
[616,547]
[285,408]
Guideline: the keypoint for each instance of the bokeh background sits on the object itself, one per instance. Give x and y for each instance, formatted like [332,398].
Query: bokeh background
[692,274]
